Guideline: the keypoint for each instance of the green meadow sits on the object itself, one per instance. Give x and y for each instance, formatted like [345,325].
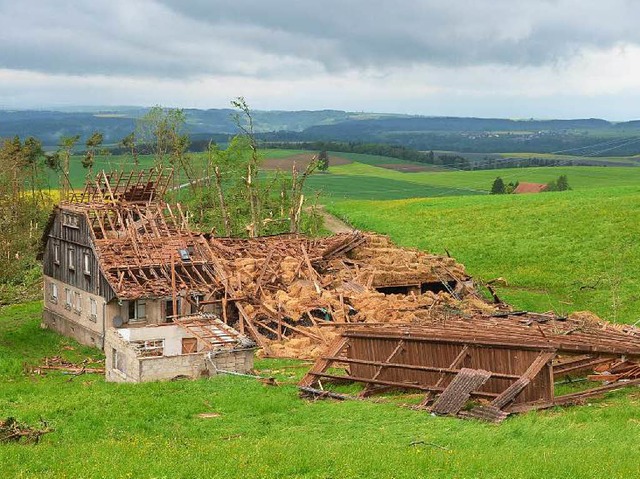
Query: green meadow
[564,251]
[105,430]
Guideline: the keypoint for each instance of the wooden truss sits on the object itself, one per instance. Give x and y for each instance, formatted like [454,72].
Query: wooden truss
[141,186]
[209,330]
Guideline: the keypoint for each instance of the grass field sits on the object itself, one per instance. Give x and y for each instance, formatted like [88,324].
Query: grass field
[363,181]
[105,430]
[565,251]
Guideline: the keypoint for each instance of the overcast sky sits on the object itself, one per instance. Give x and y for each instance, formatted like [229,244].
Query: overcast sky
[505,58]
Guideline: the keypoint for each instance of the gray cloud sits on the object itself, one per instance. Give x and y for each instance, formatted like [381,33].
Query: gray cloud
[284,39]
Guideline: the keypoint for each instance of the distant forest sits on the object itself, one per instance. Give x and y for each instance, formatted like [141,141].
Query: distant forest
[413,138]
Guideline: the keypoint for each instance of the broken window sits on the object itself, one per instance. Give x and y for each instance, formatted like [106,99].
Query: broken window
[195,305]
[54,292]
[168,309]
[94,310]
[149,347]
[70,258]
[56,253]
[137,310]
[86,263]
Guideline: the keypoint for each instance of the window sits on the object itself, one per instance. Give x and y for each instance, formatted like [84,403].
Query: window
[195,306]
[69,220]
[86,263]
[94,310]
[78,302]
[168,309]
[67,298]
[56,253]
[70,258]
[54,292]
[137,310]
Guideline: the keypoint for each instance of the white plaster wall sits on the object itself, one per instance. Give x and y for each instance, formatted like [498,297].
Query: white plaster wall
[171,333]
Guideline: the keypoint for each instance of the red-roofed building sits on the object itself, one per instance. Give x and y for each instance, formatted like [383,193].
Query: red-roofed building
[524,188]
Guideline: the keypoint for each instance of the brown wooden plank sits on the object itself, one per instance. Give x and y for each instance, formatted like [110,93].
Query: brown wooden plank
[509,394]
[322,364]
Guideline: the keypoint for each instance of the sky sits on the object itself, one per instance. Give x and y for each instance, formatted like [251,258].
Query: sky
[483,58]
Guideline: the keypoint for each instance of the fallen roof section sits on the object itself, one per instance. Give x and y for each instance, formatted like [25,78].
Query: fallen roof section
[502,364]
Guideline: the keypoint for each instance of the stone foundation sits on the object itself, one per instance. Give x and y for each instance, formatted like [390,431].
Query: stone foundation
[73,329]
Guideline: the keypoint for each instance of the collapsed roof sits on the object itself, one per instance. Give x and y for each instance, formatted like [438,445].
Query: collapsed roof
[277,287]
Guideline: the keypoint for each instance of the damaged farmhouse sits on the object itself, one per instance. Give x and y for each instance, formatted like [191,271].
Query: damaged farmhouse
[112,259]
[124,272]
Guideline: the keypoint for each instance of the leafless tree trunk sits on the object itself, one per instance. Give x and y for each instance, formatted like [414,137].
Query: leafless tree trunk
[223,205]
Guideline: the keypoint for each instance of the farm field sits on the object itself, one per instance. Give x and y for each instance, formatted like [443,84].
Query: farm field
[580,177]
[558,156]
[361,181]
[360,176]
[117,430]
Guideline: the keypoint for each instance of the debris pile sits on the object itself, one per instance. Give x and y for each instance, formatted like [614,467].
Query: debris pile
[278,289]
[57,363]
[294,289]
[12,430]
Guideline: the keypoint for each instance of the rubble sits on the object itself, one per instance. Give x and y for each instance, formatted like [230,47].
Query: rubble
[285,291]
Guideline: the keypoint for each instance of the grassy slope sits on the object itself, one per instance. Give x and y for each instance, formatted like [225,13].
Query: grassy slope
[567,251]
[579,176]
[365,181]
[151,430]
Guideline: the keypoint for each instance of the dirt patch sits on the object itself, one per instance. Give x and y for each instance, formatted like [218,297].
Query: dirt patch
[408,168]
[334,224]
[301,160]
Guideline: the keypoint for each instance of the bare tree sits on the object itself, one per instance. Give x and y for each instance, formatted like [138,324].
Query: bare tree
[244,121]
[66,145]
